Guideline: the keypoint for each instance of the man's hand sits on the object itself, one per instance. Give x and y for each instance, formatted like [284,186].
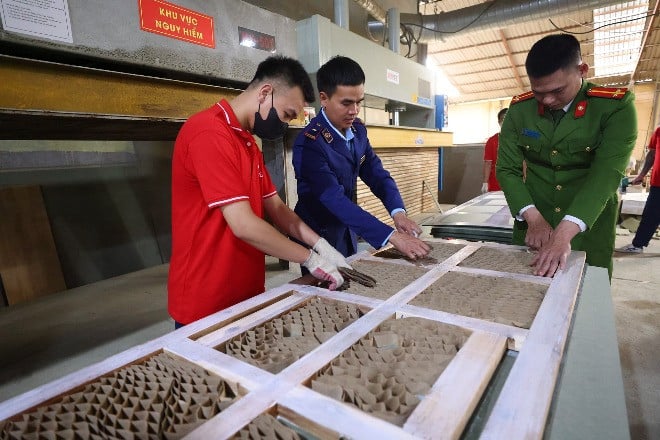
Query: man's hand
[637,180]
[484,188]
[406,226]
[327,252]
[554,253]
[538,229]
[410,246]
[323,270]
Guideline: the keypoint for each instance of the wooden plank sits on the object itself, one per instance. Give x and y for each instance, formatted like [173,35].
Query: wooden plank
[523,404]
[444,412]
[29,265]
[38,85]
[362,301]
[591,379]
[513,276]
[516,335]
[409,168]
[385,136]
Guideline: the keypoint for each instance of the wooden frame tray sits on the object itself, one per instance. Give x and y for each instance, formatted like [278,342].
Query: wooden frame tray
[443,411]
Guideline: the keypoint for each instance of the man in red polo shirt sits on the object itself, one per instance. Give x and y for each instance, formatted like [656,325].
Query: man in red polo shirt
[490,158]
[221,191]
[651,213]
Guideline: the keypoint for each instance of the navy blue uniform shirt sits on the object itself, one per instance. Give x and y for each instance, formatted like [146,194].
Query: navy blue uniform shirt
[327,166]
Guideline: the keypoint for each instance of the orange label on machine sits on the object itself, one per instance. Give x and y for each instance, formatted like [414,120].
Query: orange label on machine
[161,17]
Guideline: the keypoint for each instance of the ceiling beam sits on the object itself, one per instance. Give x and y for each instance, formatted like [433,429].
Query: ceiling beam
[649,30]
[543,33]
[507,49]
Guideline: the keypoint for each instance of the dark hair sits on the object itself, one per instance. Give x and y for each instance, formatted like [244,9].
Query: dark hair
[502,113]
[338,71]
[552,53]
[286,70]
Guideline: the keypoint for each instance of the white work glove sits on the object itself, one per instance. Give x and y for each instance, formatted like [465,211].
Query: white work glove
[323,270]
[325,250]
[484,188]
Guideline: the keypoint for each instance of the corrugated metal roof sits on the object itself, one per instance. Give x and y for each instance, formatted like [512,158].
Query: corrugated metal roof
[490,64]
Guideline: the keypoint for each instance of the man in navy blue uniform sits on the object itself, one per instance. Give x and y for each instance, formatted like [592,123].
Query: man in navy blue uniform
[328,157]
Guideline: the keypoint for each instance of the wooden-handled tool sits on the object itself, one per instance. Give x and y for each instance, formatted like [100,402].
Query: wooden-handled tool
[357,276]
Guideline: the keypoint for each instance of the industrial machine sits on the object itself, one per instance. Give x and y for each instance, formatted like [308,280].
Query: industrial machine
[92,95]
[399,86]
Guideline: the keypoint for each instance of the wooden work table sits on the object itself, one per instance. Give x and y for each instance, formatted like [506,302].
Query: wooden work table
[588,398]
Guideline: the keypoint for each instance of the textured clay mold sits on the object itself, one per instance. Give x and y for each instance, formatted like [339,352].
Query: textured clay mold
[500,260]
[266,427]
[161,398]
[279,342]
[439,253]
[387,371]
[502,300]
[390,278]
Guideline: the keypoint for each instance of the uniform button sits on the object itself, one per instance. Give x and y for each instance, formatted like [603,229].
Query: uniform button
[588,149]
[249,144]
[558,187]
[554,152]
[557,209]
[526,147]
[558,167]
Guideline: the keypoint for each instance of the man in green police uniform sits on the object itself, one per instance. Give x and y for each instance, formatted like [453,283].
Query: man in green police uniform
[576,139]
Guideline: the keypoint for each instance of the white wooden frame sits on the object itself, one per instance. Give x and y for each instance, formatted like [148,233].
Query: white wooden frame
[519,412]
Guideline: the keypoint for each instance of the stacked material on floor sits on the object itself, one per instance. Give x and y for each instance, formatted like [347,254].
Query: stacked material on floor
[484,218]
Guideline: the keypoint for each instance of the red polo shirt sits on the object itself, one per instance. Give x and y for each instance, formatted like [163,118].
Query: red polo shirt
[653,145]
[215,162]
[490,153]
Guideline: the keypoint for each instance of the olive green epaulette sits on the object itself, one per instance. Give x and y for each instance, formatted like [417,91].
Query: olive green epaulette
[607,92]
[522,97]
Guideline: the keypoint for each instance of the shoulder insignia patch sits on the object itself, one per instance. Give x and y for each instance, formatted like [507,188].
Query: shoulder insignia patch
[327,135]
[607,92]
[522,97]
[313,132]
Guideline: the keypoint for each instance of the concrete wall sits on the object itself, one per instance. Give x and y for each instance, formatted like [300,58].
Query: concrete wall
[648,116]
[474,123]
[460,173]
[110,30]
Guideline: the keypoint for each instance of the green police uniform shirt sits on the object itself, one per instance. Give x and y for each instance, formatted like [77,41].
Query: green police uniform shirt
[574,167]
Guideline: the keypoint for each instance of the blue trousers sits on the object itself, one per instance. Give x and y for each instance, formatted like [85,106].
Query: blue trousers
[650,219]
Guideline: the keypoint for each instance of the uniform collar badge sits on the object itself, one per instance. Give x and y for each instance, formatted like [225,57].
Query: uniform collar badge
[327,135]
[580,109]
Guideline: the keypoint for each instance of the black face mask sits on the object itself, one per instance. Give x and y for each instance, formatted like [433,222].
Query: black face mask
[272,128]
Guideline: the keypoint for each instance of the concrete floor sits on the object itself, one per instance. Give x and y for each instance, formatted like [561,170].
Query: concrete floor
[43,340]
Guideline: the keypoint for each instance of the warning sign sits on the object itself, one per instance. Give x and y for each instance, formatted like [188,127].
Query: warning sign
[170,20]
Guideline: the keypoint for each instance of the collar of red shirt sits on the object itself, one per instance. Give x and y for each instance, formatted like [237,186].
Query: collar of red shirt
[232,120]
